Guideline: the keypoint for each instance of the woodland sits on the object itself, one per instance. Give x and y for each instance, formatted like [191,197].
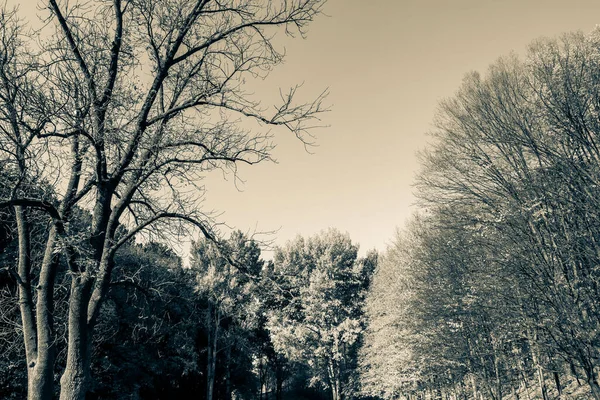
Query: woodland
[112,112]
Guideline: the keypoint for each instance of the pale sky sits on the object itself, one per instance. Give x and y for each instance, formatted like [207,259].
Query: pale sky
[387,63]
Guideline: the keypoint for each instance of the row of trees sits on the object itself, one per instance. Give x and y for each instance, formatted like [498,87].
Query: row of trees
[493,291]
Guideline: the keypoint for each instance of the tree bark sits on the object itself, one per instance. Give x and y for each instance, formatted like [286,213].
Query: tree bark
[75,381]
[39,381]
[41,384]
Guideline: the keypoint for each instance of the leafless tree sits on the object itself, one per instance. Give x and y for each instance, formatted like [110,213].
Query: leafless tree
[122,110]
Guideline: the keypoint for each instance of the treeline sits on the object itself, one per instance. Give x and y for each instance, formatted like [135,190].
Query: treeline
[231,326]
[493,290]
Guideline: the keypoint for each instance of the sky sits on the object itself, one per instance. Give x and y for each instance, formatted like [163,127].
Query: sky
[386,64]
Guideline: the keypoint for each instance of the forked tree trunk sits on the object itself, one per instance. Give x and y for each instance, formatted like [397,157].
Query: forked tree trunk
[75,381]
[40,385]
[334,381]
[39,363]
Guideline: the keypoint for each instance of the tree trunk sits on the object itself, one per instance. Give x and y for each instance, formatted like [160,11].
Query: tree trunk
[212,354]
[474,386]
[333,380]
[542,382]
[262,375]
[497,374]
[25,296]
[279,377]
[595,390]
[75,381]
[40,377]
[228,373]
[523,384]
[537,363]
[41,384]
[592,382]
[558,385]
[278,386]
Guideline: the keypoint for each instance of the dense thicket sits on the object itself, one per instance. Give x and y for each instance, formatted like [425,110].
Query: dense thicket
[497,283]
[229,326]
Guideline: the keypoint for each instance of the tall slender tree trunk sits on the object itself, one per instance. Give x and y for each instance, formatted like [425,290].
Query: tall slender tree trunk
[279,379]
[497,373]
[474,387]
[558,385]
[212,352]
[262,375]
[542,382]
[228,373]
[278,387]
[334,381]
[535,356]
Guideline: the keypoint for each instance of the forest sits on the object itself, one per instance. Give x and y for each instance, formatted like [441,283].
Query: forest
[111,114]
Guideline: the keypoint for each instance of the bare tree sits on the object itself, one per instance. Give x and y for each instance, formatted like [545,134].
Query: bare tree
[516,159]
[122,110]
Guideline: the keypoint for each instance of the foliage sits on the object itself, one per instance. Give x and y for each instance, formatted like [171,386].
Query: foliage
[318,320]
